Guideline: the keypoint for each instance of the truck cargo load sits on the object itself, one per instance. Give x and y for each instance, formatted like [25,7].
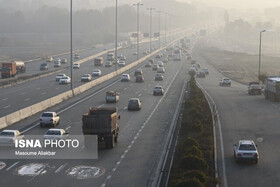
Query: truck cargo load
[20,66]
[272,88]
[102,122]
[98,61]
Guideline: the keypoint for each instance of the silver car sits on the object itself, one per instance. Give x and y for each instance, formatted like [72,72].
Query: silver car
[49,118]
[246,150]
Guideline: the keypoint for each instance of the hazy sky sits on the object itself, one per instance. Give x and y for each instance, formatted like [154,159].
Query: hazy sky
[243,4]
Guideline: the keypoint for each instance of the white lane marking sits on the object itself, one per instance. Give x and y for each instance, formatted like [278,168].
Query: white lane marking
[12,166]
[23,93]
[140,95]
[131,84]
[125,108]
[67,128]
[149,85]
[27,99]
[100,106]
[5,107]
[61,168]
[38,88]
[43,93]
[5,99]
[125,89]
[57,88]
[144,124]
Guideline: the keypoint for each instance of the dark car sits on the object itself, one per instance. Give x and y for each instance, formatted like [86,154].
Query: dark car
[200,74]
[134,104]
[139,78]
[44,66]
[151,60]
[158,90]
[138,72]
[159,77]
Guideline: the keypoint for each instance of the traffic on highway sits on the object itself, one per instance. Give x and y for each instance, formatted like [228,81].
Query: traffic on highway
[149,93]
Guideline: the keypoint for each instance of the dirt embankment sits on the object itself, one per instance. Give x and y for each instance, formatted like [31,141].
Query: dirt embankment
[241,67]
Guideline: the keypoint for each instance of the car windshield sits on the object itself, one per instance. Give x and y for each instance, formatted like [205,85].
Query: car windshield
[247,147]
[133,102]
[6,133]
[53,132]
[85,75]
[47,115]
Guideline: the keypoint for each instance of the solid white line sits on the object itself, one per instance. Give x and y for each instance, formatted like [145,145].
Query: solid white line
[147,120]
[12,166]
[100,106]
[43,93]
[61,168]
[67,128]
[4,99]
[6,106]
[27,99]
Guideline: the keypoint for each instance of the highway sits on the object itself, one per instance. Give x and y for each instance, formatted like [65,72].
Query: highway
[243,117]
[143,133]
[22,95]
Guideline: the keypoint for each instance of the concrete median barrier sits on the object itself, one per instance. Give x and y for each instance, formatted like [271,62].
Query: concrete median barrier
[39,107]
[3,123]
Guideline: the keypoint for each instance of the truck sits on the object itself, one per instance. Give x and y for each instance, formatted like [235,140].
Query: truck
[98,61]
[9,70]
[272,88]
[103,123]
[177,54]
[20,66]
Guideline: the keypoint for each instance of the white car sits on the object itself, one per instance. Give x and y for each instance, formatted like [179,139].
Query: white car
[76,56]
[59,76]
[8,137]
[246,150]
[96,72]
[120,56]
[121,63]
[76,66]
[225,82]
[49,118]
[57,64]
[125,78]
[56,134]
[161,70]
[160,63]
[65,80]
[135,53]
[108,64]
[86,78]
[57,60]
[123,58]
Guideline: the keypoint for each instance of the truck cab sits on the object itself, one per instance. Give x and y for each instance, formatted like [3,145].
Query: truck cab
[112,97]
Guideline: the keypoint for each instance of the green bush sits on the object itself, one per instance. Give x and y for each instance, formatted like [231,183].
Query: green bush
[197,127]
[195,151]
[193,163]
[188,182]
[196,174]
[190,141]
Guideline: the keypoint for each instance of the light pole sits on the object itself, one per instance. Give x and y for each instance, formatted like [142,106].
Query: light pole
[165,14]
[116,37]
[159,12]
[71,48]
[260,51]
[137,4]
[151,21]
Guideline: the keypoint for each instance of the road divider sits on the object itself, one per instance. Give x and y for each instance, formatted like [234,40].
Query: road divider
[38,107]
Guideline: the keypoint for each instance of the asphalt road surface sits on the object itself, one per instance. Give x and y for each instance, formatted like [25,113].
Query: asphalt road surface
[243,116]
[23,95]
[142,133]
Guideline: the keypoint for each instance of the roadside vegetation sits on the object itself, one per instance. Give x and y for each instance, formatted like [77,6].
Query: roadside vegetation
[194,156]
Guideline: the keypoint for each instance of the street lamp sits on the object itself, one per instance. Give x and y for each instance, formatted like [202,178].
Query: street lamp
[137,4]
[71,48]
[166,14]
[260,51]
[159,26]
[116,36]
[151,20]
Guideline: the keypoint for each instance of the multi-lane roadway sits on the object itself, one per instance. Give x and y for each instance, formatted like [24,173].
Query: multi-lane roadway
[133,162]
